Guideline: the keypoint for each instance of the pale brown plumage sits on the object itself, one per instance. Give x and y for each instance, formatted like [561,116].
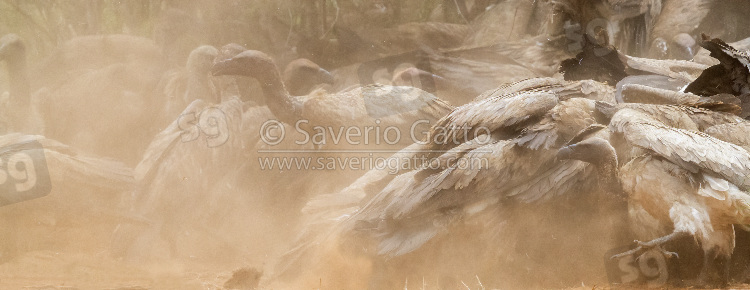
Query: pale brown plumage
[386,105]
[89,100]
[302,75]
[636,93]
[182,170]
[731,76]
[676,17]
[403,212]
[678,176]
[94,52]
[70,167]
[79,187]
[180,87]
[735,133]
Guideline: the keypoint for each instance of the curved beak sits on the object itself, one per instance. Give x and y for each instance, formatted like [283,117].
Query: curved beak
[325,76]
[567,152]
[224,67]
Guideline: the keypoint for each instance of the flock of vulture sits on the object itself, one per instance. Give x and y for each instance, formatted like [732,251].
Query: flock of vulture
[585,148]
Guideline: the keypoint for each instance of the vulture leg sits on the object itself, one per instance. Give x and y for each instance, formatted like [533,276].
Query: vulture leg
[715,271]
[655,243]
[717,254]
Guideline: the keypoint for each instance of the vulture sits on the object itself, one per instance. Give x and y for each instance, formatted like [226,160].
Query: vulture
[703,56]
[180,87]
[21,110]
[53,187]
[458,75]
[675,177]
[731,76]
[417,35]
[383,105]
[232,86]
[516,129]
[197,167]
[672,30]
[181,175]
[606,64]
[301,76]
[92,52]
[450,90]
[346,46]
[101,97]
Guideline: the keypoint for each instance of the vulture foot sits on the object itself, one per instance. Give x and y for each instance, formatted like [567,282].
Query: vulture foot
[653,244]
[645,247]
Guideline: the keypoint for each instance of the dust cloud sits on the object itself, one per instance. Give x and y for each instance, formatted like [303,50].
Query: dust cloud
[162,175]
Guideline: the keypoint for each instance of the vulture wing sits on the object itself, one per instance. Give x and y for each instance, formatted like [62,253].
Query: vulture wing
[495,113]
[69,166]
[685,147]
[735,133]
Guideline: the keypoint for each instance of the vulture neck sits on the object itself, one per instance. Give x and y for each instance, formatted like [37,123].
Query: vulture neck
[279,102]
[20,93]
[610,180]
[199,88]
[618,202]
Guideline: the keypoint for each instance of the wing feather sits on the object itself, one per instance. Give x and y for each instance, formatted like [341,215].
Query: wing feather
[689,148]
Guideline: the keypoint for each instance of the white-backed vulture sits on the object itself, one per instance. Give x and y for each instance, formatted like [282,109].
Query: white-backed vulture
[677,20]
[178,179]
[57,188]
[302,75]
[21,108]
[363,106]
[731,76]
[519,128]
[683,178]
[93,52]
[201,162]
[703,56]
[180,87]
[735,133]
[91,104]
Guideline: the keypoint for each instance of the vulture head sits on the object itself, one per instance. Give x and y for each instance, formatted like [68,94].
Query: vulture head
[413,76]
[600,153]
[250,63]
[594,150]
[681,46]
[202,58]
[11,48]
[230,50]
[301,75]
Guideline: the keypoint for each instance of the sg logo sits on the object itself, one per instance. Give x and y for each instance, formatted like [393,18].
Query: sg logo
[212,122]
[651,268]
[23,173]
